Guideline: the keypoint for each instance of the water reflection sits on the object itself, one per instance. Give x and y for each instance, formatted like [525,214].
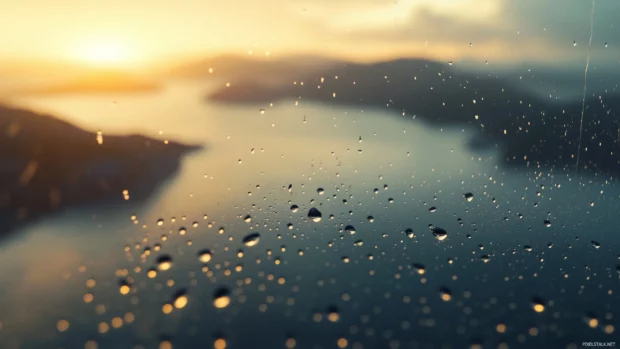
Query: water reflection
[293,284]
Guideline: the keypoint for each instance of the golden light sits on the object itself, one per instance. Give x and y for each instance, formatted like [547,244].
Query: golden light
[181,302]
[221,302]
[105,53]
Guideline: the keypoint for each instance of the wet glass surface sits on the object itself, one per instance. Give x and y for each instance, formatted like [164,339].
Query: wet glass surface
[415,202]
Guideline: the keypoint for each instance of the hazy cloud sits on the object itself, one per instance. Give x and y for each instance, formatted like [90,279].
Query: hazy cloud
[520,29]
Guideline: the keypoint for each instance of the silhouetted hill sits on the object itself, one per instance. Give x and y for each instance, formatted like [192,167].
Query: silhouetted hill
[529,130]
[48,164]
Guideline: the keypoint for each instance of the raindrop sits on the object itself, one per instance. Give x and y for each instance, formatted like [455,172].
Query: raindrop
[547,223]
[315,215]
[320,191]
[419,268]
[445,294]
[251,239]
[595,244]
[468,196]
[528,248]
[432,209]
[333,314]
[370,219]
[221,297]
[180,299]
[439,233]
[294,208]
[538,304]
[591,319]
[164,262]
[248,218]
[409,232]
[204,256]
[124,287]
[350,229]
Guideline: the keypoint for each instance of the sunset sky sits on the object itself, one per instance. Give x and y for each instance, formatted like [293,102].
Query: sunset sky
[139,32]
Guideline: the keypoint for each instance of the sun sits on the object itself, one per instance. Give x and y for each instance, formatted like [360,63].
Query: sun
[105,53]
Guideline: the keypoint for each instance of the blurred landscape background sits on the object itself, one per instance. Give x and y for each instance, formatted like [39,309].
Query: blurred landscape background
[135,130]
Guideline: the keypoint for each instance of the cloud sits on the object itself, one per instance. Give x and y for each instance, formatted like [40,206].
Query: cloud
[500,29]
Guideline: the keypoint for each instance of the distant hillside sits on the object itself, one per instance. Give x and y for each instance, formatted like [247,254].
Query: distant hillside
[528,129]
[235,68]
[48,164]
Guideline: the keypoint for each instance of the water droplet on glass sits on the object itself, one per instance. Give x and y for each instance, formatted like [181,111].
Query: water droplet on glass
[468,196]
[350,229]
[333,314]
[409,232]
[164,262]
[180,299]
[595,244]
[315,215]
[294,208]
[251,239]
[445,294]
[419,268]
[439,233]
[247,219]
[370,219]
[124,287]
[204,256]
[320,191]
[221,297]
[547,223]
[538,304]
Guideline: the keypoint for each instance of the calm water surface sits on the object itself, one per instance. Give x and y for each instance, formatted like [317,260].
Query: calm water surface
[478,284]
